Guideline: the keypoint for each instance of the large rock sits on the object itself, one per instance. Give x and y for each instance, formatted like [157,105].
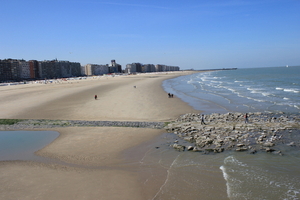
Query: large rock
[179,147]
[268,144]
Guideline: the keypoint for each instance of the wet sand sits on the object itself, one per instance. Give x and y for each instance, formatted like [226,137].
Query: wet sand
[94,167]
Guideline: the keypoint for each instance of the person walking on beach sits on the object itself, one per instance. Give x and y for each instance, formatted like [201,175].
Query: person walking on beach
[246,118]
[96,97]
[202,119]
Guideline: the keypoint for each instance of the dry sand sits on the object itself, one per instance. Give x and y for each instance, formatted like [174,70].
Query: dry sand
[93,167]
[117,100]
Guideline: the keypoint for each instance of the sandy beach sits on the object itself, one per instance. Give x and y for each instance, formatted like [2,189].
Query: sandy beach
[118,99]
[88,161]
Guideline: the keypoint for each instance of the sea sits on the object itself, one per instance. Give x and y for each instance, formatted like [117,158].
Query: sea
[269,89]
[231,175]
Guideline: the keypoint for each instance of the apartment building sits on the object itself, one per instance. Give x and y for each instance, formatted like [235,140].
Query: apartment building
[34,69]
[59,69]
[115,67]
[165,68]
[24,68]
[5,70]
[148,68]
[133,68]
[9,70]
[95,69]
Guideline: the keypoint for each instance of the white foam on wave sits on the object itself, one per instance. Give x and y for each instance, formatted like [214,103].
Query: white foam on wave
[231,182]
[286,98]
[216,77]
[290,90]
[278,88]
[216,81]
[232,90]
[255,91]
[266,94]
[258,100]
[240,178]
[226,177]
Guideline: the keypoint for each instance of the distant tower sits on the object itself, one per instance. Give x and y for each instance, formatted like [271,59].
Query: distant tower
[113,63]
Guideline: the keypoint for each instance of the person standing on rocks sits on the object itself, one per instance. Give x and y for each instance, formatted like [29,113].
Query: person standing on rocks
[246,118]
[202,119]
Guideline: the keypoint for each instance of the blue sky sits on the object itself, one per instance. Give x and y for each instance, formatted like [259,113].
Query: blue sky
[190,34]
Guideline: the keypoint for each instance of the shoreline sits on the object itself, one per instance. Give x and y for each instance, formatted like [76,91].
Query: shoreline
[117,100]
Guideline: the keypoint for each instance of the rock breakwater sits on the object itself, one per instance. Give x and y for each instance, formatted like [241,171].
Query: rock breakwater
[269,132]
[34,124]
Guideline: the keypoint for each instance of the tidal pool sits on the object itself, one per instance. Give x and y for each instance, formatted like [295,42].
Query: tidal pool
[21,145]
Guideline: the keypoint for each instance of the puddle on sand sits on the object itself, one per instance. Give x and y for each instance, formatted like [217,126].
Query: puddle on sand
[21,145]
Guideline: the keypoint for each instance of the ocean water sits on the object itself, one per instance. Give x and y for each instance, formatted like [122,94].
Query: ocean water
[271,89]
[243,175]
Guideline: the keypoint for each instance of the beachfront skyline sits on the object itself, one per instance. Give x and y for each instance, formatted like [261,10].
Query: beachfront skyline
[189,34]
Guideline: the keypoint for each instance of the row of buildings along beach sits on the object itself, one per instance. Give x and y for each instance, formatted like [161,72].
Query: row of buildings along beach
[19,69]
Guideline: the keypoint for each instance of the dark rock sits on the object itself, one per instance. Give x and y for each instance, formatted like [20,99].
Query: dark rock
[269,149]
[252,151]
[190,148]
[218,150]
[242,149]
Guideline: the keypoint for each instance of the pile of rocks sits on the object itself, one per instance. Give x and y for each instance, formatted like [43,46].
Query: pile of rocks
[263,132]
[43,124]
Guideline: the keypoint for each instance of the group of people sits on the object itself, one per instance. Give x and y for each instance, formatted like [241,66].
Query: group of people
[170,95]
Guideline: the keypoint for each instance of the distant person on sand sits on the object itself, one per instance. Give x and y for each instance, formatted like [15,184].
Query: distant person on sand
[246,118]
[96,97]
[202,119]
[170,95]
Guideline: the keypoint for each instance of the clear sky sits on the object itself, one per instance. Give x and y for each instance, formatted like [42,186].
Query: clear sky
[199,34]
